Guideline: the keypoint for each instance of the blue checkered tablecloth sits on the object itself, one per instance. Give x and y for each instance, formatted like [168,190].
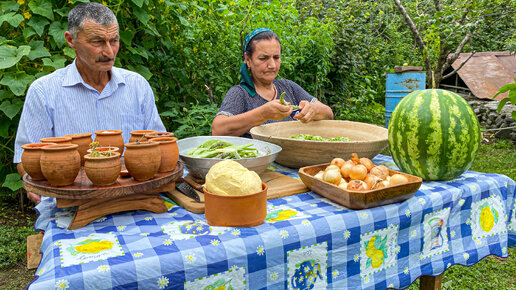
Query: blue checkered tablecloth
[307,242]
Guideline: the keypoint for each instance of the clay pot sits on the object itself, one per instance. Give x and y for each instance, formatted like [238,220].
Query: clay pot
[158,135]
[139,135]
[142,160]
[104,149]
[57,140]
[60,163]
[83,140]
[30,159]
[103,171]
[110,138]
[169,152]
[237,210]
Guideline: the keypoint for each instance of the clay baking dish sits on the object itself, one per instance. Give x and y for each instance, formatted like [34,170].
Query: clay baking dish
[236,211]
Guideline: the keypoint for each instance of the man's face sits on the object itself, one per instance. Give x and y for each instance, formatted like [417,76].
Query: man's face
[96,46]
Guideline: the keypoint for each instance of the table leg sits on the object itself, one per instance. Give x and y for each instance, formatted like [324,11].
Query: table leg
[430,282]
[90,209]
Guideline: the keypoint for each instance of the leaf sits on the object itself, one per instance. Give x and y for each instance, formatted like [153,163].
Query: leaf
[13,181]
[11,18]
[142,15]
[42,7]
[57,63]
[28,32]
[126,36]
[4,129]
[138,3]
[10,110]
[11,55]
[17,82]
[38,23]
[505,88]
[68,51]
[9,6]
[38,50]
[57,30]
[144,71]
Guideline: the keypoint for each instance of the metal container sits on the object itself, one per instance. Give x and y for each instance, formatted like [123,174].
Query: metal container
[199,167]
[399,85]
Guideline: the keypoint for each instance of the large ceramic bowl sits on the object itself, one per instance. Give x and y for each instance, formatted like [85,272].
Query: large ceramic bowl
[199,167]
[366,140]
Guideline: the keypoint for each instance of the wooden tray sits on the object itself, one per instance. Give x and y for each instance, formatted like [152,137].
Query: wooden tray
[279,185]
[82,188]
[359,199]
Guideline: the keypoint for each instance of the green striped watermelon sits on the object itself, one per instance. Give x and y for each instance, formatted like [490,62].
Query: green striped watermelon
[434,134]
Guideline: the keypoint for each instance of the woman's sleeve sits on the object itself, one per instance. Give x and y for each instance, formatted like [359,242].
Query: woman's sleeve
[300,94]
[233,104]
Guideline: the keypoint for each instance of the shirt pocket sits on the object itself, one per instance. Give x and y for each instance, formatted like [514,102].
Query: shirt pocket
[130,123]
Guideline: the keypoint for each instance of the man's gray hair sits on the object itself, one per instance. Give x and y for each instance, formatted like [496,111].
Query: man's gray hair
[95,12]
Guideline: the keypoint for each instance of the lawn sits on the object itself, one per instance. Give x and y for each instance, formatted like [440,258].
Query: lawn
[490,273]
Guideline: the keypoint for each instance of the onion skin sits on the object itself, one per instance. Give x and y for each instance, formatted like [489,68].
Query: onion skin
[377,171]
[358,172]
[343,184]
[331,167]
[372,181]
[346,169]
[367,163]
[384,169]
[358,185]
[332,176]
[338,161]
[319,175]
[398,179]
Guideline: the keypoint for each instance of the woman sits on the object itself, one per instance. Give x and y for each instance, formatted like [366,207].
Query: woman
[256,100]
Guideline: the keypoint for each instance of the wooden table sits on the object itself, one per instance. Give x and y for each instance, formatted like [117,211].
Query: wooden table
[93,201]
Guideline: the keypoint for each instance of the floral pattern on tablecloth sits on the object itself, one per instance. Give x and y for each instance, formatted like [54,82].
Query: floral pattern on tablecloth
[488,218]
[234,279]
[94,247]
[378,250]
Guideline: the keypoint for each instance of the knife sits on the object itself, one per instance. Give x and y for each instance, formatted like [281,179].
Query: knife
[187,190]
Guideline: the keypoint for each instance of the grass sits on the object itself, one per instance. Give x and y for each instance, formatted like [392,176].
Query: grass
[490,273]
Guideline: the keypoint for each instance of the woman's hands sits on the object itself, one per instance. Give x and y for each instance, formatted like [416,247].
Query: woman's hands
[307,112]
[274,110]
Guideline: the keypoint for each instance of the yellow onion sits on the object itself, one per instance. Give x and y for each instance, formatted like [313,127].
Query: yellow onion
[319,175]
[367,163]
[338,161]
[332,176]
[377,171]
[358,172]
[346,169]
[343,184]
[398,179]
[357,185]
[332,167]
[381,184]
[372,181]
[384,169]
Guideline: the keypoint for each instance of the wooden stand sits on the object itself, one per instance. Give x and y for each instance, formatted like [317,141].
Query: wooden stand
[93,201]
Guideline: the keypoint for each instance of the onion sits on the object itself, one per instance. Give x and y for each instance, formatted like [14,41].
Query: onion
[377,171]
[346,169]
[332,176]
[331,167]
[338,161]
[343,184]
[358,172]
[354,158]
[372,181]
[357,185]
[319,175]
[398,179]
[367,163]
[384,169]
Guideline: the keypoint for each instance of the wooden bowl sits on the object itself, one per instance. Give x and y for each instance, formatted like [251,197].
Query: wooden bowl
[359,199]
[236,210]
[366,140]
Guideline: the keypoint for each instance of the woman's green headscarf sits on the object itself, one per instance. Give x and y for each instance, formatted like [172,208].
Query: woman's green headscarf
[246,81]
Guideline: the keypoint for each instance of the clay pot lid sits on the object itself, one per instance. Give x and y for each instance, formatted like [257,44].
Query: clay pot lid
[158,135]
[78,135]
[141,144]
[114,155]
[55,139]
[108,132]
[163,139]
[36,146]
[142,132]
[235,197]
[58,147]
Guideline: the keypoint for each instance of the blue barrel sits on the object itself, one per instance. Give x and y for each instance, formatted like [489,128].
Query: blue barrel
[399,85]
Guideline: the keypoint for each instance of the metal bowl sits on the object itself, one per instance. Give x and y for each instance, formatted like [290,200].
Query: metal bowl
[199,167]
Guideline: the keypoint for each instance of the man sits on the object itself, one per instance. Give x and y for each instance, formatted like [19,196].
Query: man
[89,94]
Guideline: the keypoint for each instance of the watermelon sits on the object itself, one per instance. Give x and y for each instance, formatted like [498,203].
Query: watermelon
[434,134]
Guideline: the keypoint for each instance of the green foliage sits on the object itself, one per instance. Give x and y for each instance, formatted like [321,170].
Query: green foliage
[511,88]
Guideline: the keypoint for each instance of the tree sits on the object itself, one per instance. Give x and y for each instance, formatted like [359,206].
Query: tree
[443,29]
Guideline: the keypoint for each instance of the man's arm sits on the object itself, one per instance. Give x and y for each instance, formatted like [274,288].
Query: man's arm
[151,115]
